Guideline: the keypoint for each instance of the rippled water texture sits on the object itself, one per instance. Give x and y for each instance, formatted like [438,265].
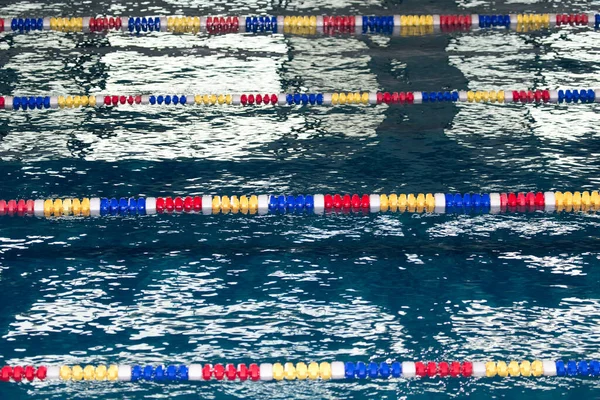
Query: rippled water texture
[192,288]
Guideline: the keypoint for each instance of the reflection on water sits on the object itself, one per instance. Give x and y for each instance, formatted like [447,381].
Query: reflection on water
[192,288]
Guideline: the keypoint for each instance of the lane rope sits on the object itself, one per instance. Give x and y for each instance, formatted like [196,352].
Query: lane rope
[537,96]
[299,23]
[578,201]
[336,370]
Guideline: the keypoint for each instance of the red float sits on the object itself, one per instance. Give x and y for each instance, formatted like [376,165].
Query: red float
[230,372]
[365,202]
[530,199]
[420,369]
[467,369]
[546,95]
[432,369]
[530,96]
[454,369]
[197,203]
[29,206]
[41,373]
[11,207]
[188,204]
[17,373]
[337,201]
[242,372]
[539,199]
[21,208]
[219,371]
[512,200]
[160,204]
[523,96]
[5,373]
[387,98]
[169,204]
[254,372]
[444,369]
[346,201]
[29,373]
[206,372]
[178,204]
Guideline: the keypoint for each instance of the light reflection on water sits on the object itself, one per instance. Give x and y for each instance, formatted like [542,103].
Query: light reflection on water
[190,288]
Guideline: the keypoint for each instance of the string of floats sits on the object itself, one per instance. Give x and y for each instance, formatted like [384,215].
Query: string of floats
[584,95]
[288,371]
[287,24]
[317,203]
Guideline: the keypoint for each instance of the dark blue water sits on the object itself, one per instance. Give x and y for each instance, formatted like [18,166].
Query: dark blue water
[194,288]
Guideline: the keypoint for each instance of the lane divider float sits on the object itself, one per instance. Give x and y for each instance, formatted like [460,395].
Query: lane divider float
[538,96]
[288,371]
[584,201]
[313,23]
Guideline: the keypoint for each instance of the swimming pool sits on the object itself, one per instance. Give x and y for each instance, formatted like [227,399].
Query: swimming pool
[187,288]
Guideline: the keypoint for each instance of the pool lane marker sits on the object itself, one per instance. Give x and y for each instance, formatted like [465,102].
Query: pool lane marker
[537,96]
[439,203]
[288,371]
[287,24]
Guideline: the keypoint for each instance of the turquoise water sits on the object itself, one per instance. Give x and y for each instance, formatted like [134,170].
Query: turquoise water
[194,288]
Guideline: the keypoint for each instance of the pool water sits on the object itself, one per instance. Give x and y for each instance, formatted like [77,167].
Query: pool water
[200,289]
